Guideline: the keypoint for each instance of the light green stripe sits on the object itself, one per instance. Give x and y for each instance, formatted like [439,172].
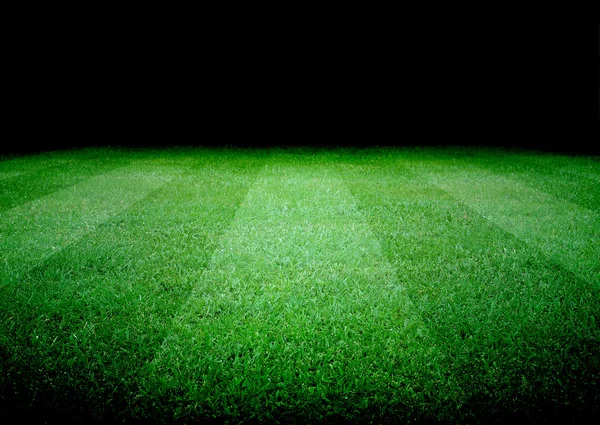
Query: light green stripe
[299,277]
[550,174]
[137,269]
[32,231]
[566,232]
[30,186]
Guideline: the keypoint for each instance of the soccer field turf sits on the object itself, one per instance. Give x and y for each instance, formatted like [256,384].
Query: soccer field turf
[389,285]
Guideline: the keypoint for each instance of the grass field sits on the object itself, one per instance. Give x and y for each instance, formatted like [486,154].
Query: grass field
[415,285]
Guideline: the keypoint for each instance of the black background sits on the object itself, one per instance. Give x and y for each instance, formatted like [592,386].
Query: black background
[288,82]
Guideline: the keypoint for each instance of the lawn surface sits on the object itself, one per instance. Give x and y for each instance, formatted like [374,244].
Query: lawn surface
[300,286]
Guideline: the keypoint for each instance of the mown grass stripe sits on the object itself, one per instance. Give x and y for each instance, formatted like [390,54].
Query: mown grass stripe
[516,331]
[566,232]
[13,166]
[109,298]
[25,187]
[547,173]
[298,311]
[31,232]
[585,166]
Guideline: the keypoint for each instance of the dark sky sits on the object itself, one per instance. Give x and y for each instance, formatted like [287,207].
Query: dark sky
[340,84]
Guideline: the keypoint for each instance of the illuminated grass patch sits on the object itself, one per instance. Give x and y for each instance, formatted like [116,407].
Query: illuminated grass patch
[307,286]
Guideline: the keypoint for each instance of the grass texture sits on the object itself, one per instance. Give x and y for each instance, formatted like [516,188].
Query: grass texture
[413,285]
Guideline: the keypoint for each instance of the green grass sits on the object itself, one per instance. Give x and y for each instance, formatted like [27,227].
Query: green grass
[416,285]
